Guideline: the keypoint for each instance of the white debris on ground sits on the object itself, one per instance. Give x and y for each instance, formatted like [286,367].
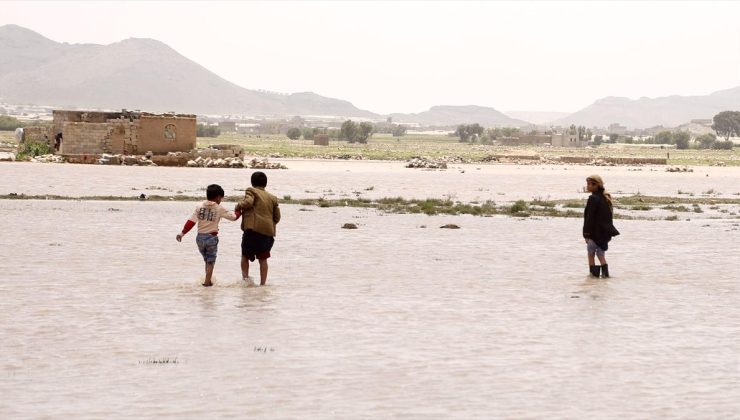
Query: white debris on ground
[47,159]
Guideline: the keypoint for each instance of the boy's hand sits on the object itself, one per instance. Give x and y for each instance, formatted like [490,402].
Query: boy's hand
[179,237]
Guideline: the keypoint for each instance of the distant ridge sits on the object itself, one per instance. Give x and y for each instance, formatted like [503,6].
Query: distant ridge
[537,117]
[447,115]
[147,74]
[668,111]
[136,74]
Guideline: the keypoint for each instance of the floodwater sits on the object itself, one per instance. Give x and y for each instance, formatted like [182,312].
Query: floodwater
[103,315]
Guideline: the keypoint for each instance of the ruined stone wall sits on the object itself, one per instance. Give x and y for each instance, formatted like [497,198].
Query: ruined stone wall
[162,134]
[89,132]
[39,134]
[61,117]
[82,138]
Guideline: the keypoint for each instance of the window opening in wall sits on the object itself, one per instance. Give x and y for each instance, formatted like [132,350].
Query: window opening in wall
[169,132]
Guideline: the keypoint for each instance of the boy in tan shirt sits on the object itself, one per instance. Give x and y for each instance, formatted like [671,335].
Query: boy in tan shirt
[261,215]
[207,215]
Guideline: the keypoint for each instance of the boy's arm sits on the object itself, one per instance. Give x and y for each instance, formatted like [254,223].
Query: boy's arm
[229,215]
[247,202]
[276,213]
[188,225]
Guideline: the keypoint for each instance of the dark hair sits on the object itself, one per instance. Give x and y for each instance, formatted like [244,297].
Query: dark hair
[213,191]
[259,179]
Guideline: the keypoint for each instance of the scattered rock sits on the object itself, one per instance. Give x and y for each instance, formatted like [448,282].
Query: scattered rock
[349,226]
[450,226]
[265,164]
[47,159]
[423,162]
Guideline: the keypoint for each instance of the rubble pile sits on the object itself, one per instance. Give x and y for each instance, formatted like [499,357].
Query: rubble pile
[426,163]
[234,162]
[229,162]
[265,164]
[128,160]
[47,159]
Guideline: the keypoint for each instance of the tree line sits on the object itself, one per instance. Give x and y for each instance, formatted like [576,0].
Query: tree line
[8,123]
[205,130]
[350,131]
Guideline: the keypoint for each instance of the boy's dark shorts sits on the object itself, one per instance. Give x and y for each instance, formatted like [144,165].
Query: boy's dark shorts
[256,245]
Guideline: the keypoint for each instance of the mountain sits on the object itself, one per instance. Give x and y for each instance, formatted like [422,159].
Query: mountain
[136,74]
[668,111]
[448,115]
[537,117]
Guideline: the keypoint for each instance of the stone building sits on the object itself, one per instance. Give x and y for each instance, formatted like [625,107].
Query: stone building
[227,126]
[125,132]
[567,139]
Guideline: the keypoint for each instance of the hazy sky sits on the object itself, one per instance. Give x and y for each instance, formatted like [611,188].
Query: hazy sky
[405,57]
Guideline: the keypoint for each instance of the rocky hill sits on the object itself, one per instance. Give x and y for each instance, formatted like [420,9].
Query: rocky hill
[448,115]
[136,74]
[668,111]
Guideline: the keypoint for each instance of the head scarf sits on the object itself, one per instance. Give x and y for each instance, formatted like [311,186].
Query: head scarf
[600,183]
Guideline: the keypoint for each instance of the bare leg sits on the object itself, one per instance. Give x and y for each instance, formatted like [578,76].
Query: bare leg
[263,272]
[602,259]
[591,260]
[209,274]
[245,267]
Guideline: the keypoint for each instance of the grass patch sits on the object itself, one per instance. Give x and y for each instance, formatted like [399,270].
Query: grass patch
[672,207]
[435,206]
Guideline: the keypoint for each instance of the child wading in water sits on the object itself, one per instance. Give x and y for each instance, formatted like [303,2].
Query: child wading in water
[261,215]
[598,227]
[207,215]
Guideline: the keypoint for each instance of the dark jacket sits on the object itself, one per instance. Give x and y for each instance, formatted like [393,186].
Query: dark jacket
[597,220]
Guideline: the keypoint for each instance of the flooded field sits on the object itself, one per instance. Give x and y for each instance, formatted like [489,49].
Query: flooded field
[104,315]
[371,179]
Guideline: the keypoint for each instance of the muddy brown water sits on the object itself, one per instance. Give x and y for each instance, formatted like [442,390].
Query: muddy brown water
[103,315]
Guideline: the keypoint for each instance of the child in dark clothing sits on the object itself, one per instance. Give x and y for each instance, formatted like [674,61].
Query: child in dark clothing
[261,215]
[598,227]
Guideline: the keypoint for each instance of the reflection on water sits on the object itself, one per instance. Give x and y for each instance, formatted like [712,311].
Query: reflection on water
[496,319]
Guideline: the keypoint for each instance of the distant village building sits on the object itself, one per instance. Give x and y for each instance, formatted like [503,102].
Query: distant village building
[227,126]
[321,139]
[247,128]
[617,129]
[125,132]
[567,139]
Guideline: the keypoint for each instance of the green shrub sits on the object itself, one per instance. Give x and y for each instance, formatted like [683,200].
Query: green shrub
[33,149]
[519,207]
